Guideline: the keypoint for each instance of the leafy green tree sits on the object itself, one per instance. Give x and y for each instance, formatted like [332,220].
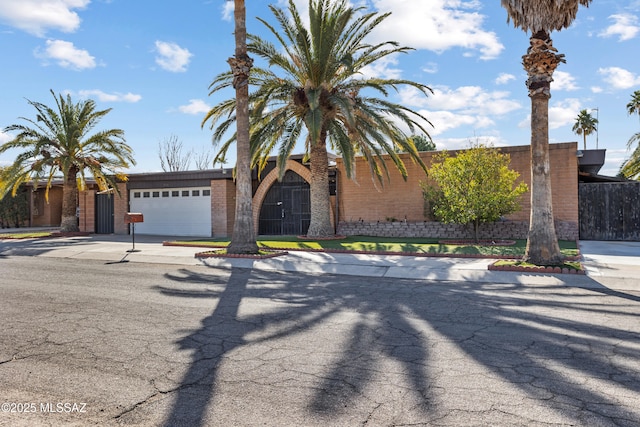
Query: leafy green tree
[474,187]
[585,125]
[541,17]
[631,167]
[59,141]
[315,91]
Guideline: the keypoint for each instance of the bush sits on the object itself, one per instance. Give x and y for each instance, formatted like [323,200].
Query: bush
[474,187]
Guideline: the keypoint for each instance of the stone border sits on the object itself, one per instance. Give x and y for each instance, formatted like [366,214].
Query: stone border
[484,242]
[536,269]
[213,254]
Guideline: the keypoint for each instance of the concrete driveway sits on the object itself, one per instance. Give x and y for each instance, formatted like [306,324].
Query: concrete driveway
[155,344]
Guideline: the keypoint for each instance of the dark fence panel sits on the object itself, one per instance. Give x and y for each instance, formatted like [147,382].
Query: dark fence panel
[609,211]
[104,214]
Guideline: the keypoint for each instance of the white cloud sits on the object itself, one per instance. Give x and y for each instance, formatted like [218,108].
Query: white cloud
[110,97]
[430,67]
[446,120]
[227,10]
[561,113]
[5,137]
[438,25]
[596,89]
[471,99]
[172,57]
[66,55]
[564,113]
[382,68]
[625,26]
[504,78]
[38,16]
[563,81]
[461,143]
[195,106]
[450,108]
[619,78]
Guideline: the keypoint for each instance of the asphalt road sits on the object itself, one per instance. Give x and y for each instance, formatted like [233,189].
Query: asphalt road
[86,342]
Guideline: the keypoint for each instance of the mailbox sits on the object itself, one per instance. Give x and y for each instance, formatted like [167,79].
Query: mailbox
[132,218]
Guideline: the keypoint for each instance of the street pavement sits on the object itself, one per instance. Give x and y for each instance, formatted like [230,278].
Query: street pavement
[160,338]
[608,265]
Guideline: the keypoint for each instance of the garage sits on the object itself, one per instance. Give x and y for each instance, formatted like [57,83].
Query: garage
[180,211]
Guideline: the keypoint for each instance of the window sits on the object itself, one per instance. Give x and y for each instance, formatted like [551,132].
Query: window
[175,193]
[206,192]
[185,193]
[165,194]
[195,193]
[145,194]
[136,195]
[156,194]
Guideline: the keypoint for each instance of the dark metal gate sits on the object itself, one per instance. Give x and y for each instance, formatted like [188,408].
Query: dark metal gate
[104,213]
[286,209]
[609,210]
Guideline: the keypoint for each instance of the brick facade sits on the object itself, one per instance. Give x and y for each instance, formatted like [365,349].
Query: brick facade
[45,213]
[223,207]
[120,207]
[394,209]
[87,204]
[365,201]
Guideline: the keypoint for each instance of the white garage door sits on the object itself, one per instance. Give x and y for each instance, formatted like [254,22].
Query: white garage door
[173,211]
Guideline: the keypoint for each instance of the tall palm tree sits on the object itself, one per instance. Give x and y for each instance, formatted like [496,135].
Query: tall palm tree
[633,107]
[314,90]
[243,239]
[585,125]
[541,60]
[631,167]
[60,142]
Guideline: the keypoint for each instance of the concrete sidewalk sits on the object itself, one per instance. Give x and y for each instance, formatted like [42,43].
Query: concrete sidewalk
[610,265]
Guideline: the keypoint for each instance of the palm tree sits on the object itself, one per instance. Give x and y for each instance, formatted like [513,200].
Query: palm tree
[585,125]
[314,83]
[631,167]
[59,142]
[541,60]
[633,106]
[422,143]
[243,239]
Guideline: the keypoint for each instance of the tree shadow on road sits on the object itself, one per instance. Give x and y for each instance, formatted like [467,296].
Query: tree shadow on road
[536,339]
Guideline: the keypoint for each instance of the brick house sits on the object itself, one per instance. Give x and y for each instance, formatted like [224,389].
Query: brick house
[202,203]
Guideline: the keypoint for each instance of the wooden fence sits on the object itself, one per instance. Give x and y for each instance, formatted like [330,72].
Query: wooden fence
[609,211]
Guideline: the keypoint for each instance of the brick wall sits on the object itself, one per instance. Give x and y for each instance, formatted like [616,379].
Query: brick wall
[223,207]
[565,230]
[50,213]
[87,203]
[120,207]
[366,201]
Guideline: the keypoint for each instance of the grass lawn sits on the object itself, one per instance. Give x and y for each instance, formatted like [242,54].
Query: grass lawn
[405,245]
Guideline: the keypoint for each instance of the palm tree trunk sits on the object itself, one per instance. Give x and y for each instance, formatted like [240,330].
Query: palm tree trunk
[540,62]
[243,239]
[320,225]
[69,222]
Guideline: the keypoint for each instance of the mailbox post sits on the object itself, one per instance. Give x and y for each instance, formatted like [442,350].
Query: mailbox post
[133,218]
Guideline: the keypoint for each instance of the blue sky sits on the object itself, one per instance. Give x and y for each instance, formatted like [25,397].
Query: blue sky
[152,62]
